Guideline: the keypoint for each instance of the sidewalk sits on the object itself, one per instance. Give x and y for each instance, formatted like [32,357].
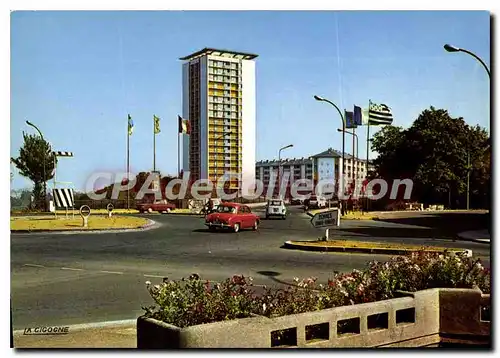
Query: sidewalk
[106,335]
[476,235]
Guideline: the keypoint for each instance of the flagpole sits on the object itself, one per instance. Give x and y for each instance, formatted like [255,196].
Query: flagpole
[354,163]
[128,164]
[367,150]
[178,155]
[154,146]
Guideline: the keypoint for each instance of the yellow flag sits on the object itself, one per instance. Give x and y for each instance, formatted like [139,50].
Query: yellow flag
[157,124]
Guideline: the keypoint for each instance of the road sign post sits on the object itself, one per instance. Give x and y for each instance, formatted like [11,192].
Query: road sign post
[110,208]
[85,213]
[326,219]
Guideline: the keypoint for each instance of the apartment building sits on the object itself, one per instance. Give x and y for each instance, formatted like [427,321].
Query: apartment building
[321,166]
[219,101]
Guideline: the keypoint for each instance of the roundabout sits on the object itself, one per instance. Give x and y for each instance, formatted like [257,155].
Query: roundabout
[85,278]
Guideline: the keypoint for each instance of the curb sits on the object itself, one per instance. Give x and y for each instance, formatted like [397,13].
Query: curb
[378,250]
[150,225]
[478,241]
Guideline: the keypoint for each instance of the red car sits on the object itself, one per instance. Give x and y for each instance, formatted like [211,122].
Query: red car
[232,216]
[159,206]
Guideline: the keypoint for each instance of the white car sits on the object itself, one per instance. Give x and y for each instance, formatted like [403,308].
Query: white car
[276,207]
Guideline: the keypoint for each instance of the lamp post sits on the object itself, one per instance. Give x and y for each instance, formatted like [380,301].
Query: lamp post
[354,172]
[279,166]
[44,174]
[321,99]
[216,153]
[451,48]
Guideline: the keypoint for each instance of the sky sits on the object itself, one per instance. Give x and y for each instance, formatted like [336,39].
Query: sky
[77,75]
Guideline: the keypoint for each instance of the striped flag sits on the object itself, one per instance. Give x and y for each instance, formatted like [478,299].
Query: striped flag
[349,120]
[184,125]
[379,114]
[63,154]
[360,116]
[156,124]
[130,125]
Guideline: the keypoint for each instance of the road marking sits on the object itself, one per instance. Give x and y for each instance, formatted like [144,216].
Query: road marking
[115,272]
[71,269]
[33,265]
[156,276]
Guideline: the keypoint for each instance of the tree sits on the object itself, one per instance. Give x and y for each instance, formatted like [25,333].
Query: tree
[433,152]
[20,198]
[30,163]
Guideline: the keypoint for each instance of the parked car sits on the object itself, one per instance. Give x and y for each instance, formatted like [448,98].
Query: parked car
[161,206]
[232,216]
[314,202]
[276,207]
[296,201]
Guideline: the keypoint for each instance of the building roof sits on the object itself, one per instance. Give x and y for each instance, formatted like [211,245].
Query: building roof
[329,153]
[284,162]
[220,52]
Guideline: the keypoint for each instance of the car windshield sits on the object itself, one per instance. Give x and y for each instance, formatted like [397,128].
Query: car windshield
[275,203]
[226,209]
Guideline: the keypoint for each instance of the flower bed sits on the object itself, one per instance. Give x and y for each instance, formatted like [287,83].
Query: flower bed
[193,301]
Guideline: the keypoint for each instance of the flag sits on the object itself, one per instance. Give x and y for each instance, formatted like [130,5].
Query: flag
[184,125]
[379,114]
[360,116]
[349,120]
[130,125]
[157,124]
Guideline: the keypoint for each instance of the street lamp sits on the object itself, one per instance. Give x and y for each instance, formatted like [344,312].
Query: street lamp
[44,182]
[321,99]
[354,172]
[216,153]
[451,48]
[279,166]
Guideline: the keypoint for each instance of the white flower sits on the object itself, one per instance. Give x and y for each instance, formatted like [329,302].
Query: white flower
[264,307]
[148,283]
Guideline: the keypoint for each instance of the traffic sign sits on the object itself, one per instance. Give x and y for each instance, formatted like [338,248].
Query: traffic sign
[85,211]
[326,218]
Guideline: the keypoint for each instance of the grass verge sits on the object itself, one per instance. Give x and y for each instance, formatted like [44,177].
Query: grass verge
[364,246]
[95,222]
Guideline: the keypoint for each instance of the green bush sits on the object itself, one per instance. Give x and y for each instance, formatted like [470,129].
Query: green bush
[193,301]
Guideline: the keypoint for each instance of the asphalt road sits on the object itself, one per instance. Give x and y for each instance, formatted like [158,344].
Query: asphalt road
[59,279]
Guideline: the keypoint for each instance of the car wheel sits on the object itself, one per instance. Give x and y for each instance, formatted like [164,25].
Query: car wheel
[256,225]
[150,210]
[211,228]
[236,227]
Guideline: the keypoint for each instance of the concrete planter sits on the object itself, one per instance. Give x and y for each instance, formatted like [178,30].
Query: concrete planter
[424,318]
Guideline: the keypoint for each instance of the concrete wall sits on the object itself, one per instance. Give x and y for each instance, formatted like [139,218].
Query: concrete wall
[433,314]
